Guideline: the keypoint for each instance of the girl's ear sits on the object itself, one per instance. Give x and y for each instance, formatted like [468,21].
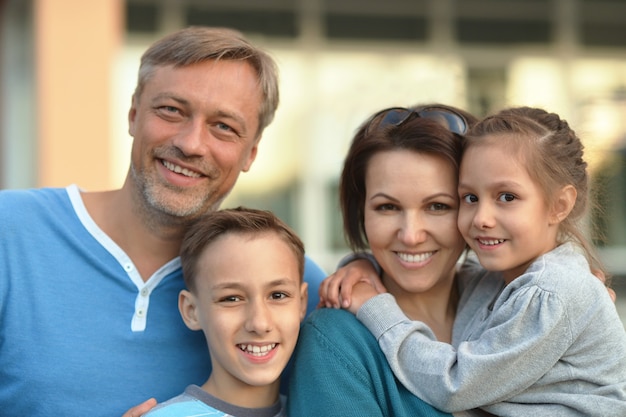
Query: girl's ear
[187,306]
[564,204]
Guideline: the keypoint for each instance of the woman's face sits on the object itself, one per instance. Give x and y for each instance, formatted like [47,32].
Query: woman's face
[411,207]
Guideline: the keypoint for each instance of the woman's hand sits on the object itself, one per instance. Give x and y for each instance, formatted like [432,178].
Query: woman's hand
[141,409]
[336,290]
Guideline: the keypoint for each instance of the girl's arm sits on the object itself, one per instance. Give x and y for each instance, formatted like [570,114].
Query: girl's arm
[526,337]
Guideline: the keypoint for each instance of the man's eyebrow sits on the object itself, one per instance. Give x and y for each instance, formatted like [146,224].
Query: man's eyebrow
[170,96]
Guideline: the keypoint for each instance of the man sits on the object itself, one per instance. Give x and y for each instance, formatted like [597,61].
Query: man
[90,280]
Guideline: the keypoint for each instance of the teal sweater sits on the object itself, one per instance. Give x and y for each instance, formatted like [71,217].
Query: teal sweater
[339,370]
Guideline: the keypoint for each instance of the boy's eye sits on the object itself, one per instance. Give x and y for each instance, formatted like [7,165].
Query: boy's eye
[279,296]
[470,198]
[230,299]
[506,197]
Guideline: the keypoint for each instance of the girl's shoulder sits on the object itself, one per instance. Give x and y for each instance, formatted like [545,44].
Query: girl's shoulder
[470,273]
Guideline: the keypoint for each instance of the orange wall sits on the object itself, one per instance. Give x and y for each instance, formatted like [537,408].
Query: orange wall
[75,42]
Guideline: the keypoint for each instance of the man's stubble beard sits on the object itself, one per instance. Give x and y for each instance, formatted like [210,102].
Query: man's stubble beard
[161,203]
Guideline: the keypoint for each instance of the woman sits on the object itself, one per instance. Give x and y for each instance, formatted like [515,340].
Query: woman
[399,198]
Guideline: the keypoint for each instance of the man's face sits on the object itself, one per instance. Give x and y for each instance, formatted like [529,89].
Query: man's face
[195,128]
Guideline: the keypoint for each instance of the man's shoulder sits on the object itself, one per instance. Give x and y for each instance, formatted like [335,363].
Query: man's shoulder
[31,196]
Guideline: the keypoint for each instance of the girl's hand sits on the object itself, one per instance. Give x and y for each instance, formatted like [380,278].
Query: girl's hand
[361,292]
[336,290]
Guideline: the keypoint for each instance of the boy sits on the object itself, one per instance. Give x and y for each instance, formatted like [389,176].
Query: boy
[243,269]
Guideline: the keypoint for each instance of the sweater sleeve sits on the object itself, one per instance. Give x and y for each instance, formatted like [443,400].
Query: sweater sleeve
[526,336]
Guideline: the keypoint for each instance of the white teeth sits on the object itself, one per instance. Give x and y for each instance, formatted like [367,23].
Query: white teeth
[421,257]
[490,242]
[180,170]
[257,350]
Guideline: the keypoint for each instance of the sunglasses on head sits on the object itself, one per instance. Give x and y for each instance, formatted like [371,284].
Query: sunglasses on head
[395,116]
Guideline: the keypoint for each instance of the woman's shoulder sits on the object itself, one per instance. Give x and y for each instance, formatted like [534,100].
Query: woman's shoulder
[336,329]
[332,320]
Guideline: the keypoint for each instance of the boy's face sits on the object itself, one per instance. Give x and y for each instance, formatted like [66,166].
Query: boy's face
[249,301]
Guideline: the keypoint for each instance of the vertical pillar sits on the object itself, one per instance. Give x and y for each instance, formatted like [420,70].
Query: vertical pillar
[75,44]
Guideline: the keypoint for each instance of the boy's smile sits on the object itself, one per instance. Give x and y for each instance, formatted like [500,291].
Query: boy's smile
[249,301]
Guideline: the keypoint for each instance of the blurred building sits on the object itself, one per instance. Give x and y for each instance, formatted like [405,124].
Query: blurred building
[68,69]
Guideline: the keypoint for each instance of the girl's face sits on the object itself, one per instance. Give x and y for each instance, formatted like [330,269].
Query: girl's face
[411,209]
[503,214]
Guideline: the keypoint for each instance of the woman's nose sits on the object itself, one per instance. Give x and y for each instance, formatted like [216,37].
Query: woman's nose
[413,230]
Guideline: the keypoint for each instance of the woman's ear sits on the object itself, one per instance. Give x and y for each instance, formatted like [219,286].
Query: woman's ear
[564,204]
[187,306]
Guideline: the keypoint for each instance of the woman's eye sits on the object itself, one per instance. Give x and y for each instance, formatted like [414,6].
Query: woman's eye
[439,207]
[506,197]
[470,198]
[385,207]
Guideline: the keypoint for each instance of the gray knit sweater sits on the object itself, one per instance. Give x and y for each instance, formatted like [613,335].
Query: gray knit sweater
[548,344]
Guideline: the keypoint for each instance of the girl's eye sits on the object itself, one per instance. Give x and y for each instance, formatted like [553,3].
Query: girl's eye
[506,197]
[470,198]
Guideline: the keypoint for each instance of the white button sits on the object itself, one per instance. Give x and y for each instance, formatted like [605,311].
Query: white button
[141,312]
[128,267]
[145,292]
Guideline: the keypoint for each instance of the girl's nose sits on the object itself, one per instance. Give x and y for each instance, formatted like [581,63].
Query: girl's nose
[483,216]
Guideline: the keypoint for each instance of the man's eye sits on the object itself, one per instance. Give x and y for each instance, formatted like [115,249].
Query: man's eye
[279,295]
[224,126]
[169,109]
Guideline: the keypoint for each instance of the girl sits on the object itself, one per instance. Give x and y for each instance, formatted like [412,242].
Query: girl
[538,333]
